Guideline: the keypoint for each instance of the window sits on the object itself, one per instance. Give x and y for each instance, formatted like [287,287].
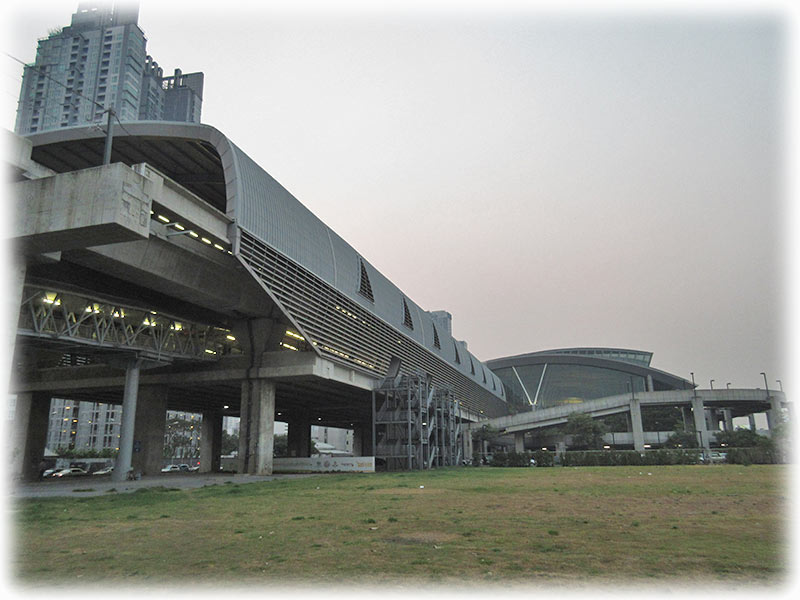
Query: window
[458,358]
[436,343]
[364,286]
[471,366]
[407,316]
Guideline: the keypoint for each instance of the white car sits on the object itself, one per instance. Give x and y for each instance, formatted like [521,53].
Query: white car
[71,472]
[171,469]
[105,471]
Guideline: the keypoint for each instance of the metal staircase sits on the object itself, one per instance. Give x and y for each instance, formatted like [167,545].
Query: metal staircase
[417,425]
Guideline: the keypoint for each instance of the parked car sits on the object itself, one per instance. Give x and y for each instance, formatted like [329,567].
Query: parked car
[183,467]
[70,472]
[171,469]
[717,457]
[104,471]
[49,473]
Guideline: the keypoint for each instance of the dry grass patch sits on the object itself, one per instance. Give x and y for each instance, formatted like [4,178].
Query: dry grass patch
[485,524]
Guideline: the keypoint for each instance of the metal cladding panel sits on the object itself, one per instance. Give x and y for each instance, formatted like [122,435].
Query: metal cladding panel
[267,209]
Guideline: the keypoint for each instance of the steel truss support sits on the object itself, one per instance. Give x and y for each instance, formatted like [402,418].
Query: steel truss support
[59,315]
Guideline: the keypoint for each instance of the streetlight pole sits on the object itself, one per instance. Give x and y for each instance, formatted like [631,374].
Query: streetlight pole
[780,384]
[766,385]
[711,384]
[728,385]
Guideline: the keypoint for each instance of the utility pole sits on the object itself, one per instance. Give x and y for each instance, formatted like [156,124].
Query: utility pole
[109,136]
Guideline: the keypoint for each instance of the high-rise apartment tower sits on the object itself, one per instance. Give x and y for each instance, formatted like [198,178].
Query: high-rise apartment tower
[99,62]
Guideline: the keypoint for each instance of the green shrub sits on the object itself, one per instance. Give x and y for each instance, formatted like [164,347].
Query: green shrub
[608,458]
[543,458]
[761,455]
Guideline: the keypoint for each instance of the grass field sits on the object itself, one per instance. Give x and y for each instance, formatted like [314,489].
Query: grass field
[722,523]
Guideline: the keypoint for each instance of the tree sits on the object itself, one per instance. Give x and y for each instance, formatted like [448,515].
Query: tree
[486,433]
[586,432]
[280,446]
[230,443]
[681,438]
[743,438]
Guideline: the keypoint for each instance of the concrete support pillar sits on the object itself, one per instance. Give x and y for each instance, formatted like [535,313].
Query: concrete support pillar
[149,429]
[299,435]
[129,399]
[686,413]
[466,439]
[256,430]
[31,418]
[11,303]
[561,448]
[211,442]
[519,441]
[752,418]
[636,425]
[774,414]
[712,424]
[728,417]
[650,383]
[362,440]
[700,423]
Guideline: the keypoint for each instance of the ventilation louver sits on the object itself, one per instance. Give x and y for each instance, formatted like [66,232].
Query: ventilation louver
[364,286]
[407,316]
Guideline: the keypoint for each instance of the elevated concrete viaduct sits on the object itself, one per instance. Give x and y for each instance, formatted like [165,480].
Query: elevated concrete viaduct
[183,277]
[701,409]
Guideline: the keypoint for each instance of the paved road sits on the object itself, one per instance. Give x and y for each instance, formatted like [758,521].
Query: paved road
[100,485]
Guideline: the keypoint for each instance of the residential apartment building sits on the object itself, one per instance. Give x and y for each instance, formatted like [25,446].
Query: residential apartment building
[100,62]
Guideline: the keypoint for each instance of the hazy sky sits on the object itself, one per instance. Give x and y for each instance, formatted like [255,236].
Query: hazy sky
[552,179]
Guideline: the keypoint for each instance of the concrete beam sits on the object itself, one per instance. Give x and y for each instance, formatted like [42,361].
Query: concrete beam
[283,365]
[84,208]
[191,209]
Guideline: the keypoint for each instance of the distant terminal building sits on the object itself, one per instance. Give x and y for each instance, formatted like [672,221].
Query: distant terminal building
[641,405]
[100,62]
[548,378]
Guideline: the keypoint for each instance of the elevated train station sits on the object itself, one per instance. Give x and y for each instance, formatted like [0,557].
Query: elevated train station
[182,276]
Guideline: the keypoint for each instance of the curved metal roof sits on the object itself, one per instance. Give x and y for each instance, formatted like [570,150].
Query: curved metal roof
[566,358]
[203,160]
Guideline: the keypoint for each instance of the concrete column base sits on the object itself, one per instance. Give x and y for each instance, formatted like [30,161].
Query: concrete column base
[698,412]
[636,425]
[256,431]
[519,441]
[148,430]
[124,460]
[31,418]
[362,440]
[211,442]
[299,437]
